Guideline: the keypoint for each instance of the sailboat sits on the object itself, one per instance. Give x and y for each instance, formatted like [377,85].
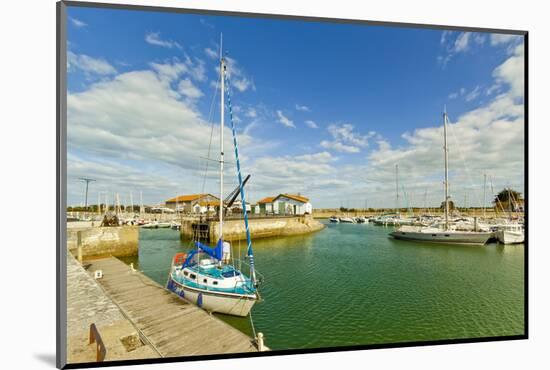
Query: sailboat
[205,275]
[443,233]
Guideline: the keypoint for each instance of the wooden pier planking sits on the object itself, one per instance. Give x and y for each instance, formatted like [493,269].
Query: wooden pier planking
[172,325]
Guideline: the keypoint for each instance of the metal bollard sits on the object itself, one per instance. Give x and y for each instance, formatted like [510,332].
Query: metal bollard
[79,246]
[260,342]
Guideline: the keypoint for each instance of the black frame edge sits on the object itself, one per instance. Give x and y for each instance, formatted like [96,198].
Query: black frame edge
[61,187]
[167,9]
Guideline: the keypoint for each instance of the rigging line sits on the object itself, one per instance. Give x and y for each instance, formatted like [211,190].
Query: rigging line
[464,164]
[243,198]
[252,325]
[211,132]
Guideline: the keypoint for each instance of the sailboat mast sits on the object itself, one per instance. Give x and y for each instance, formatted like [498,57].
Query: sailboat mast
[446,170]
[222,93]
[484,199]
[397,189]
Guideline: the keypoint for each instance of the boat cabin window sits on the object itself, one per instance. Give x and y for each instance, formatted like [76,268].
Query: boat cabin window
[215,282]
[205,281]
[185,273]
[193,276]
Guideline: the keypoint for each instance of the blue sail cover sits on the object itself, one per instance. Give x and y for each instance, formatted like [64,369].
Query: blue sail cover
[215,252]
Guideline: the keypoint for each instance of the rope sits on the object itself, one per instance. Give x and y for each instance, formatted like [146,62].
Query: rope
[243,198]
[252,325]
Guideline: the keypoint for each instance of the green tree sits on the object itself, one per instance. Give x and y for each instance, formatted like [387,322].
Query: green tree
[451,205]
[507,198]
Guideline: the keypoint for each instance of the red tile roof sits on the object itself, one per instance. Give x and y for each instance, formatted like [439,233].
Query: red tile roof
[296,197]
[266,200]
[189,198]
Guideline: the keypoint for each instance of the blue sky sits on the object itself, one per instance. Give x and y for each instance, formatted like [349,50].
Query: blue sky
[323,109]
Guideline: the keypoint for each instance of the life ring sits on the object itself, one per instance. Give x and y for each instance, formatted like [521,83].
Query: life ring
[179,258]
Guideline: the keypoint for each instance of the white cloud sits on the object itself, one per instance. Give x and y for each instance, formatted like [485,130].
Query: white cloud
[346,139]
[302,108]
[499,39]
[207,24]
[494,88]
[196,69]
[186,87]
[153,38]
[172,69]
[488,139]
[468,96]
[311,124]
[77,22]
[339,147]
[137,116]
[444,36]
[284,120]
[89,65]
[473,94]
[461,42]
[239,79]
[512,72]
[211,53]
[251,113]
[479,38]
[242,84]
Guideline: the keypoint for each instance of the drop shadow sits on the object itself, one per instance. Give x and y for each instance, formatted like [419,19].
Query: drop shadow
[46,358]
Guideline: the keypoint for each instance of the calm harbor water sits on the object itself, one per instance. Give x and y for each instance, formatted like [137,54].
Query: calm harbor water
[351,284]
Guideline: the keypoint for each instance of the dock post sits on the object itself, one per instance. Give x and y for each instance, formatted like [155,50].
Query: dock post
[79,246]
[260,342]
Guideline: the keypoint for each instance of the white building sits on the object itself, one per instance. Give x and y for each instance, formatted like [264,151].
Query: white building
[285,204]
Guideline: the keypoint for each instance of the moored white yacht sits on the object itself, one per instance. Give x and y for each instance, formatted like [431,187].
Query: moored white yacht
[446,234]
[440,235]
[512,233]
[347,220]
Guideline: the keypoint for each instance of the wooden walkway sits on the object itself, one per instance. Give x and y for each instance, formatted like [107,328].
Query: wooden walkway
[173,326]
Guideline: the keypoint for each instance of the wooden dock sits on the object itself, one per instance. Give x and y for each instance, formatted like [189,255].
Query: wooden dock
[170,324]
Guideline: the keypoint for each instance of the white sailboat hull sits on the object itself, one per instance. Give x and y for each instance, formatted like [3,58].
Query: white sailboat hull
[347,220]
[445,237]
[229,304]
[510,237]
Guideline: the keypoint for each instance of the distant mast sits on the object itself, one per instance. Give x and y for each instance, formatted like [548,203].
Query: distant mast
[445,149]
[397,189]
[222,71]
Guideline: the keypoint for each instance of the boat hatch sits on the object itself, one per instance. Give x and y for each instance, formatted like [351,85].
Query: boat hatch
[230,273]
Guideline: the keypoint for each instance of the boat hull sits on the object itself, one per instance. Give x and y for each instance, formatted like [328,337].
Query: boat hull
[229,304]
[466,238]
[346,220]
[509,237]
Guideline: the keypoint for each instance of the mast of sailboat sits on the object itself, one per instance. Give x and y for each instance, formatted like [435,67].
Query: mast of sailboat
[446,169]
[141,210]
[397,189]
[222,70]
[484,200]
